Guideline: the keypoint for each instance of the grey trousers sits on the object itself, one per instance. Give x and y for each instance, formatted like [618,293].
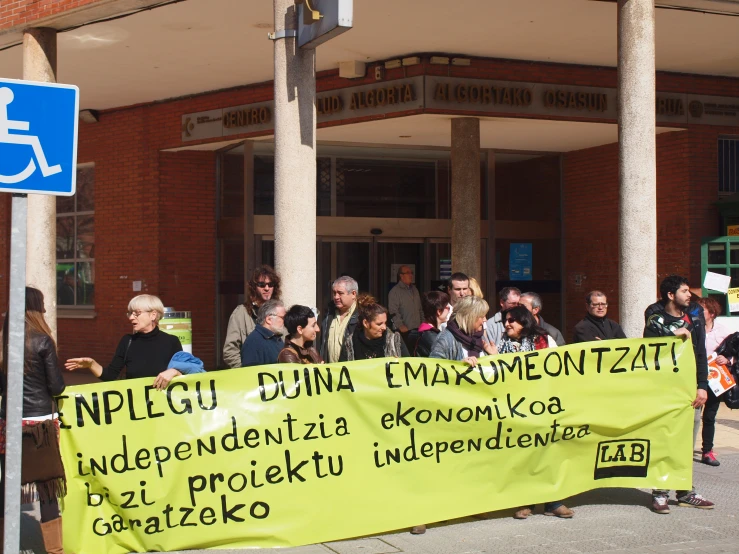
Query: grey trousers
[696,424]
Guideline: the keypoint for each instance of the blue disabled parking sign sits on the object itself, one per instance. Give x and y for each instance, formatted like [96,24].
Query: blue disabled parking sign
[38,137]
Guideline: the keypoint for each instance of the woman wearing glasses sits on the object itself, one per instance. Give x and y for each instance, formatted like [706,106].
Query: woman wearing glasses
[146,352]
[264,285]
[522,334]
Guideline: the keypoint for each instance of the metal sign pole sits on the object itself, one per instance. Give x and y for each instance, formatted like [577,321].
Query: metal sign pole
[14,391]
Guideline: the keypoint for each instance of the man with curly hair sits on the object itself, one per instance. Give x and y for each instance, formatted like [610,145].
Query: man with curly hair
[264,285]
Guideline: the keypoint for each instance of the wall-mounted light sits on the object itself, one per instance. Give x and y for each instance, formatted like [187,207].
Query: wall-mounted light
[461,61]
[89,116]
[439,60]
[413,60]
[392,64]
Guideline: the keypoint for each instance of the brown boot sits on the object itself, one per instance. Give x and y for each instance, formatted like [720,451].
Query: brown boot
[52,533]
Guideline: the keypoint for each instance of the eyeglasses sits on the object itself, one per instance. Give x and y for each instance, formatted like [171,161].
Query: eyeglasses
[510,320]
[600,305]
[263,285]
[277,315]
[136,313]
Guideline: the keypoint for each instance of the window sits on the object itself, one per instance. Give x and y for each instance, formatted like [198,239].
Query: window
[728,165]
[721,255]
[75,242]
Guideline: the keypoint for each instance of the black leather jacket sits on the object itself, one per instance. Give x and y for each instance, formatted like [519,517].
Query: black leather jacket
[42,378]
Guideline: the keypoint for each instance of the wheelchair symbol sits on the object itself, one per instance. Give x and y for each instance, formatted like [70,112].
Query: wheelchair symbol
[6,125]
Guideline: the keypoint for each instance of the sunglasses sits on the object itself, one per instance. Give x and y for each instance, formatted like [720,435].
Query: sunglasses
[510,320]
[263,285]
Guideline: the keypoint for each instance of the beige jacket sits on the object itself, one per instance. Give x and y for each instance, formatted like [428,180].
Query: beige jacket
[240,324]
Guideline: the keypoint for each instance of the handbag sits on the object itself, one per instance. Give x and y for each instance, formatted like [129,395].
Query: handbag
[730,349]
[41,458]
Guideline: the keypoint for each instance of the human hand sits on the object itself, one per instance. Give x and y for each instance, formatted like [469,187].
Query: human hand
[78,363]
[470,360]
[403,329]
[722,360]
[162,380]
[489,348]
[682,333]
[700,398]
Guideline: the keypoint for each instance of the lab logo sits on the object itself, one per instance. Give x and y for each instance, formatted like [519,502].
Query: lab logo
[622,458]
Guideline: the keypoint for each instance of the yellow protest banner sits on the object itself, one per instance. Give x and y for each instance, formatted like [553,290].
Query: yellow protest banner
[284,455]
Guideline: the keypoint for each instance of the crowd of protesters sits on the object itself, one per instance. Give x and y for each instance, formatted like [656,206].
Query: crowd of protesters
[453,324]
[450,324]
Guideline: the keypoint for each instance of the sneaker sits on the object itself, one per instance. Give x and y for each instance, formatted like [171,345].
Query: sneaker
[561,511]
[709,458]
[694,500]
[522,513]
[659,505]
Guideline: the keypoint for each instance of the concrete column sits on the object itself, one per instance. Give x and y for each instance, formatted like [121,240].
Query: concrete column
[492,270]
[637,163]
[39,64]
[249,254]
[466,196]
[295,162]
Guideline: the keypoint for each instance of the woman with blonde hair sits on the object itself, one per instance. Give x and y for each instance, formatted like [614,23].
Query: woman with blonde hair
[146,352]
[463,339]
[475,288]
[371,337]
[42,474]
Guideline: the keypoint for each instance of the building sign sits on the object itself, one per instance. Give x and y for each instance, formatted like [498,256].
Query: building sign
[446,93]
[519,264]
[451,94]
[713,110]
[368,100]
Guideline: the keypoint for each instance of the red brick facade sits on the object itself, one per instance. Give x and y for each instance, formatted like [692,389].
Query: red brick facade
[155,211]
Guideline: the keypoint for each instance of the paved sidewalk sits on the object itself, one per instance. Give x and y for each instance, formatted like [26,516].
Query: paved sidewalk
[617,521]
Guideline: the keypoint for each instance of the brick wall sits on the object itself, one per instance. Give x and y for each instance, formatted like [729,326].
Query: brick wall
[187,245]
[687,189]
[16,13]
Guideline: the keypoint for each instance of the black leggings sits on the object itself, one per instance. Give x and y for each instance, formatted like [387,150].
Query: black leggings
[709,420]
[49,511]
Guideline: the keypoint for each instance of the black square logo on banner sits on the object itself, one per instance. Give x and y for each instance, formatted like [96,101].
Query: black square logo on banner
[622,458]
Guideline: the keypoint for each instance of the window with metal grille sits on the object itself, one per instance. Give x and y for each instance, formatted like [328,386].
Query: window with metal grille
[75,242]
[728,165]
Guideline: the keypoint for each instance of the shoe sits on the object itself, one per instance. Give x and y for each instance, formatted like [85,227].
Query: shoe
[694,500]
[709,458]
[659,505]
[418,530]
[561,511]
[522,513]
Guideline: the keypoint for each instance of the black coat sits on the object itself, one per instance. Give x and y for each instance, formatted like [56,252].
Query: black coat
[658,323]
[42,378]
[595,328]
[143,355]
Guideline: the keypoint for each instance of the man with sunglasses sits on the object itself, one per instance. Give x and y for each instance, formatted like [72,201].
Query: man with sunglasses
[264,285]
[595,325]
